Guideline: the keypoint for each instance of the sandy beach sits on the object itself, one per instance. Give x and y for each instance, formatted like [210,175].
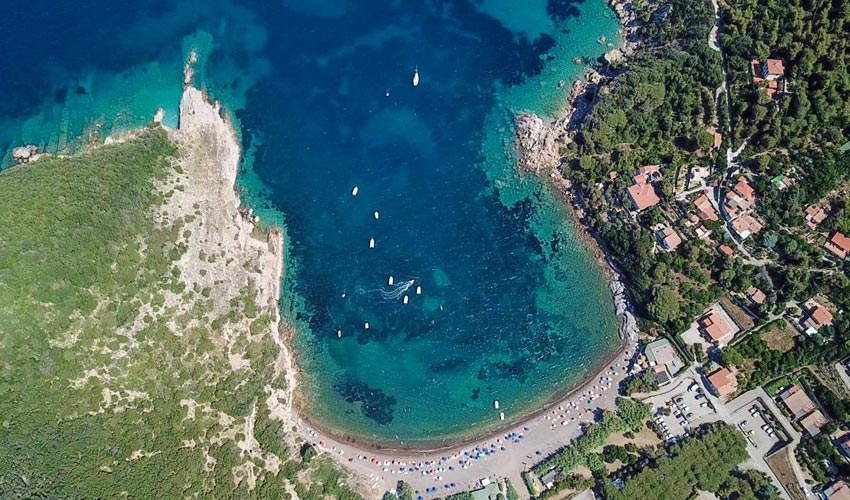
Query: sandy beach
[505,452]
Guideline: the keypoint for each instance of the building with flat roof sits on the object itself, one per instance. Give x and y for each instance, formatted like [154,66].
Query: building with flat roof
[797,401]
[843,444]
[813,422]
[489,492]
[837,491]
[723,382]
[662,353]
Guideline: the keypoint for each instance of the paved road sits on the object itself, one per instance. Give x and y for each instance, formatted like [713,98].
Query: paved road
[725,412]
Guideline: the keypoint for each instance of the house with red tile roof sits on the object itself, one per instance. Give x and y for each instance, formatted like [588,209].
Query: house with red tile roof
[768,72]
[716,327]
[723,381]
[745,190]
[705,209]
[718,140]
[726,250]
[838,244]
[745,226]
[814,216]
[649,170]
[756,296]
[816,316]
[642,193]
[770,69]
[668,238]
[773,69]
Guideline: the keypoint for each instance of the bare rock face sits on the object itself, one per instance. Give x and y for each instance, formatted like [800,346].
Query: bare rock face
[537,143]
[24,154]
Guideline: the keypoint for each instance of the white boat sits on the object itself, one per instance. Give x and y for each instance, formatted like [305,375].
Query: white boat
[418,290]
[372,243]
[366,325]
[339,333]
[496,404]
[390,281]
[405,299]
[501,415]
[416,76]
[377,215]
[355,191]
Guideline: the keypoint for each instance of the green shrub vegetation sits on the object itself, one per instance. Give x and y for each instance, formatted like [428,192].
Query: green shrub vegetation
[92,401]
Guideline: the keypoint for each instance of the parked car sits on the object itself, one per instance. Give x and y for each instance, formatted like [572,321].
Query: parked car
[679,399]
[689,416]
[693,387]
[699,396]
[703,404]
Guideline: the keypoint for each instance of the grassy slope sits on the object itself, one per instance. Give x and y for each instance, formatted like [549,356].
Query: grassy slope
[79,257]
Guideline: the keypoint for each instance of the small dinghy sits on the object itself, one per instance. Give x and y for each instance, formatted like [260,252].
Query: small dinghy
[355,191]
[416,77]
[390,281]
[372,243]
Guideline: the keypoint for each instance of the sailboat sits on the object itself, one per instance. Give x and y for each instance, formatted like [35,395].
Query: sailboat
[416,76]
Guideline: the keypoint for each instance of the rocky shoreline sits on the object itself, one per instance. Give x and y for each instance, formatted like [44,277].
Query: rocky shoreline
[538,144]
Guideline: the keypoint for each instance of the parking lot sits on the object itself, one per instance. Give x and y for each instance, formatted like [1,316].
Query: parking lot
[678,413]
[758,428]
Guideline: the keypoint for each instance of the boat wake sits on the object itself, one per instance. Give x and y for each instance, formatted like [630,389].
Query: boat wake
[394,292]
[397,291]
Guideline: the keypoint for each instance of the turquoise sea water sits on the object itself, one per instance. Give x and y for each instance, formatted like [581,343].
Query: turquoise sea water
[512,307]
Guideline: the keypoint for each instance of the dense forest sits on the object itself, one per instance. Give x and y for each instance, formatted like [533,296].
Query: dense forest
[705,461]
[810,37]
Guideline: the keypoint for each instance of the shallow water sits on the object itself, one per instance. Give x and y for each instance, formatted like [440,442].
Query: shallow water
[512,307]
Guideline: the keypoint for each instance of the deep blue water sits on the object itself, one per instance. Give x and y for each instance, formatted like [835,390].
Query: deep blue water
[512,307]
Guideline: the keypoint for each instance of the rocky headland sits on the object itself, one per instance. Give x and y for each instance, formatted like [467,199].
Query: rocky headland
[539,142]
